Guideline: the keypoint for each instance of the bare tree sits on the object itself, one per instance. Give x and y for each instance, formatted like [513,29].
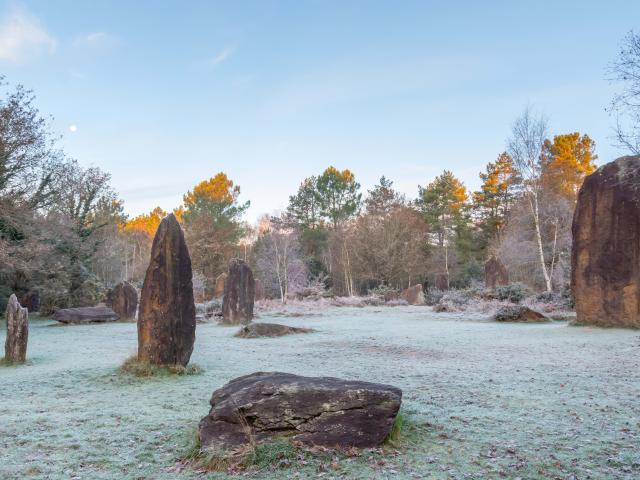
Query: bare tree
[279,261]
[528,134]
[625,106]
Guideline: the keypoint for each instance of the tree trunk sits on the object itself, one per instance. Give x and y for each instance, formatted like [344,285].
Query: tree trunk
[533,203]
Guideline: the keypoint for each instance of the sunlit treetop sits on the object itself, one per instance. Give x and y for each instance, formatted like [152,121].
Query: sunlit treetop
[218,189]
[146,223]
[566,162]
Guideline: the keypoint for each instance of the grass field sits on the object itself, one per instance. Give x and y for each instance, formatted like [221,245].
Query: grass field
[481,400]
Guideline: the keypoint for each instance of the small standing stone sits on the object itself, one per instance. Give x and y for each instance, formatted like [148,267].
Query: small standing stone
[441,281]
[413,295]
[495,273]
[167,314]
[31,300]
[239,294]
[123,300]
[15,347]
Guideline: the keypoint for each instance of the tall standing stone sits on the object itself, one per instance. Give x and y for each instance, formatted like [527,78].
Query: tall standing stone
[15,346]
[239,293]
[605,275]
[167,313]
[123,299]
[495,273]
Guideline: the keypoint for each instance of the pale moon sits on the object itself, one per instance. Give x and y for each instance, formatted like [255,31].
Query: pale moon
[73,128]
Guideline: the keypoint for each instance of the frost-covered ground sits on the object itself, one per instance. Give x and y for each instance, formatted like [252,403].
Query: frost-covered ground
[486,400]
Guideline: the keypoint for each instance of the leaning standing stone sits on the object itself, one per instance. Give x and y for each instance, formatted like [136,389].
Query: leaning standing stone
[167,313]
[605,274]
[239,294]
[15,347]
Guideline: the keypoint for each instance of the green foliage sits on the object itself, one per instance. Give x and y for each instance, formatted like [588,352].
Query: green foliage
[276,453]
[304,209]
[133,366]
[514,292]
[383,199]
[442,203]
[405,432]
[396,429]
[338,196]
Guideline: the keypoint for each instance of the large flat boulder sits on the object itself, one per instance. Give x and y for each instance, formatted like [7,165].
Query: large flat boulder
[167,313]
[605,273]
[321,411]
[98,314]
[239,294]
[261,330]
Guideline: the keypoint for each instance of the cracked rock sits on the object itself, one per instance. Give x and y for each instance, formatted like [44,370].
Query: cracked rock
[322,411]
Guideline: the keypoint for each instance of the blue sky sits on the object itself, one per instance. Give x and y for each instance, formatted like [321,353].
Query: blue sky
[164,94]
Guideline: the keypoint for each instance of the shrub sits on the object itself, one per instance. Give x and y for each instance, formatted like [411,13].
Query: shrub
[384,292]
[432,296]
[514,292]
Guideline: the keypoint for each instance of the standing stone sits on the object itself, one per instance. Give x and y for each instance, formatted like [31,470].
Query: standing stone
[413,295]
[239,294]
[441,281]
[259,290]
[220,281]
[605,275]
[31,300]
[495,273]
[167,314]
[123,299]
[15,347]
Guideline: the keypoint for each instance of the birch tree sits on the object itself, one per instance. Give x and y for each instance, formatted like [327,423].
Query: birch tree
[525,144]
[279,262]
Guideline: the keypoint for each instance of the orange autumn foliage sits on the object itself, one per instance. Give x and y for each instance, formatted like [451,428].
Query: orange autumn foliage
[219,188]
[146,223]
[566,162]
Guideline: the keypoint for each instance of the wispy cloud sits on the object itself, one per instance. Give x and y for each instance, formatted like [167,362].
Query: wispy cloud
[96,40]
[219,58]
[22,37]
[222,56]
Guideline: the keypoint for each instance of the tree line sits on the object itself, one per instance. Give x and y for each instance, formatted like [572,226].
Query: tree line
[64,234]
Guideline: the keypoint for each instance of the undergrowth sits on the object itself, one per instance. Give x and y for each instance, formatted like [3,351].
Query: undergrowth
[278,453]
[281,453]
[135,367]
